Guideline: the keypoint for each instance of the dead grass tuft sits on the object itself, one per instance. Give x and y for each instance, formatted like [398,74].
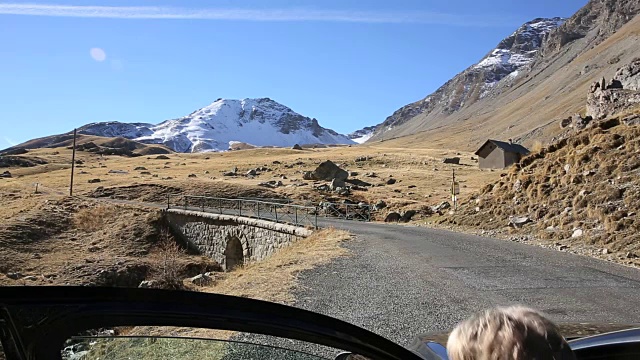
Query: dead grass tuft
[274,278]
[93,218]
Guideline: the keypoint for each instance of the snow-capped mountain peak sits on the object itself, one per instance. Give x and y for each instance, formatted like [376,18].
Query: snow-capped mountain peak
[261,122]
[517,50]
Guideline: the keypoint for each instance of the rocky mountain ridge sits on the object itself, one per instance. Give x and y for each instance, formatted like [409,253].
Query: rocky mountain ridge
[512,55]
[259,122]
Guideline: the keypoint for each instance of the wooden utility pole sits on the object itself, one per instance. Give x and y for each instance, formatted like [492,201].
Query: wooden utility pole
[454,191]
[73,162]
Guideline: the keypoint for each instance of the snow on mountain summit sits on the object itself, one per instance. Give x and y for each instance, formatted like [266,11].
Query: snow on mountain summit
[517,50]
[260,122]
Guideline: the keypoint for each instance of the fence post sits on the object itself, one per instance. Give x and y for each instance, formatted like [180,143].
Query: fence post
[258,209]
[347,216]
[202,204]
[275,209]
[220,206]
[316,219]
[168,201]
[296,211]
[240,207]
[368,212]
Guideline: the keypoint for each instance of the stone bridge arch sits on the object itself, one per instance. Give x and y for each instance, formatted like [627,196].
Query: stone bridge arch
[231,240]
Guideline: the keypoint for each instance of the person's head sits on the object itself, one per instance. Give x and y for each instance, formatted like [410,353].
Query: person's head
[511,333]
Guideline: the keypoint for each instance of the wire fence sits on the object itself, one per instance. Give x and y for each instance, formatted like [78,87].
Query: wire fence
[280,212]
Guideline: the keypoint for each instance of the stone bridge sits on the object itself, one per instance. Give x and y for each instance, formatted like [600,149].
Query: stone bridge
[231,240]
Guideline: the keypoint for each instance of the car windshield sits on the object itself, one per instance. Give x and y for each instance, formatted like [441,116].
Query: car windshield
[179,348]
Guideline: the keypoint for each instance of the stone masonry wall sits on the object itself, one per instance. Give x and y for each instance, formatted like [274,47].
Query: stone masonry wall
[211,233]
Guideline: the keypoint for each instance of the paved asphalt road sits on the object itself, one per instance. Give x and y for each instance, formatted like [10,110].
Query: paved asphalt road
[402,281]
[405,280]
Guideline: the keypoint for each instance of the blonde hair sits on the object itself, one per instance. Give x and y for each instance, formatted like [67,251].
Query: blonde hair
[511,333]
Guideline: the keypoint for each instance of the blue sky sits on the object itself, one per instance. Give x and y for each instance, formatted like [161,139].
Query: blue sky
[348,63]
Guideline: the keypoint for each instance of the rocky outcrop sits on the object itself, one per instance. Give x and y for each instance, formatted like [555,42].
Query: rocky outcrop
[598,20]
[329,171]
[607,98]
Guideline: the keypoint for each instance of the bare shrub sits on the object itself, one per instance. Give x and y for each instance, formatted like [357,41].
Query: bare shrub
[167,275]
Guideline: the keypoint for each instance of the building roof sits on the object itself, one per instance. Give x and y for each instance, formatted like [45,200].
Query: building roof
[507,147]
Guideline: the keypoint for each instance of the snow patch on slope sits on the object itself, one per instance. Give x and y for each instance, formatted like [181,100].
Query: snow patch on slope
[261,122]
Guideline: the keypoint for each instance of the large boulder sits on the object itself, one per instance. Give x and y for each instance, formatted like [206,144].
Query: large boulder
[328,171]
[452,160]
[392,217]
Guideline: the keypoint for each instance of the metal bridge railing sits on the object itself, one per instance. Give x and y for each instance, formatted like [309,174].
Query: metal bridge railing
[357,212]
[266,210]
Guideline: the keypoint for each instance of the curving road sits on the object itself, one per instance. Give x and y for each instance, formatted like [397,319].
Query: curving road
[402,281]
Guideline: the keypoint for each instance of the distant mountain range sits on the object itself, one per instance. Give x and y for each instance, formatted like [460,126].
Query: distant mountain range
[259,122]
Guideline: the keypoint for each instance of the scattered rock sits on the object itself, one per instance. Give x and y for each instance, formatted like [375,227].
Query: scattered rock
[251,172]
[229,173]
[362,158]
[577,233]
[380,205]
[519,221]
[145,173]
[5,174]
[323,187]
[453,160]
[192,175]
[206,172]
[391,181]
[118,172]
[140,168]
[353,173]
[201,280]
[30,278]
[392,217]
[93,181]
[271,184]
[565,122]
[371,175]
[148,284]
[296,147]
[605,251]
[162,157]
[406,217]
[276,162]
[15,275]
[442,206]
[412,186]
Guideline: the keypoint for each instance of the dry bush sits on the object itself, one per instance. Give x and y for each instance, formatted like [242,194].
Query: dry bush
[537,146]
[93,218]
[167,275]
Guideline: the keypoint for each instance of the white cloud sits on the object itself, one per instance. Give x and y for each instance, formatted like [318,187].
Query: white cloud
[98,54]
[158,12]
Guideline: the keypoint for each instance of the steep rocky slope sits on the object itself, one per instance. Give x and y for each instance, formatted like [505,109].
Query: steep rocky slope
[580,193]
[524,103]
